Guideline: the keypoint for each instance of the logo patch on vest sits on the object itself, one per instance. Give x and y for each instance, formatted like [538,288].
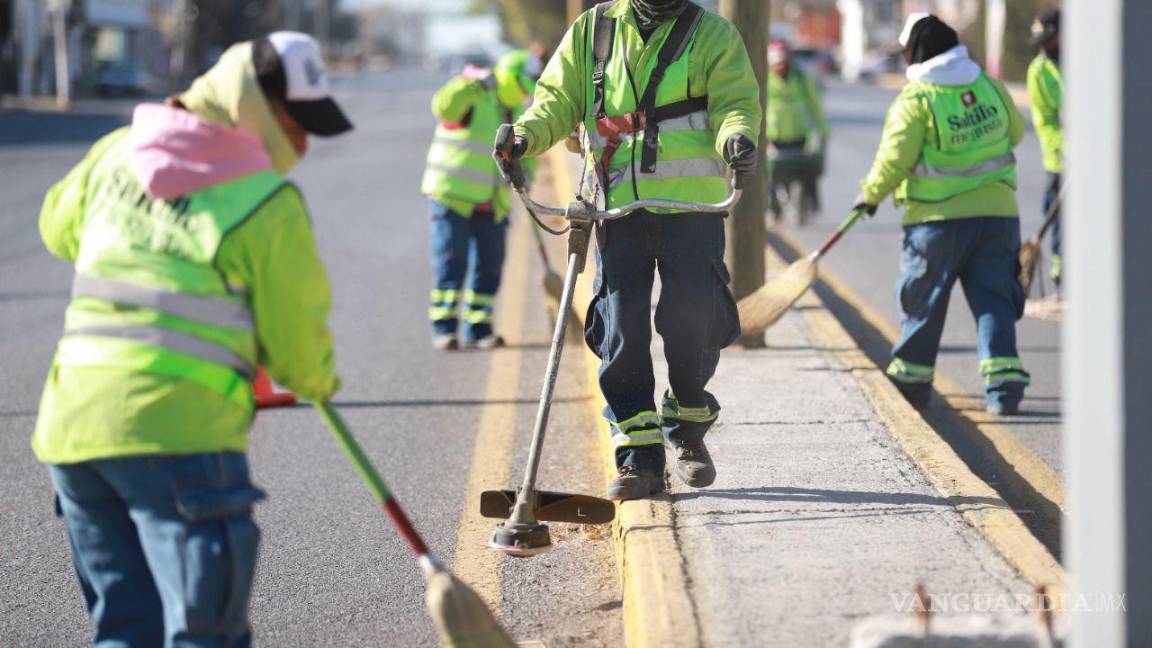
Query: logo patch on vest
[969,99]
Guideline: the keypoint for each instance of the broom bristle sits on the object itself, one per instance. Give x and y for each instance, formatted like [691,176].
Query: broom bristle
[764,307]
[461,616]
[1029,260]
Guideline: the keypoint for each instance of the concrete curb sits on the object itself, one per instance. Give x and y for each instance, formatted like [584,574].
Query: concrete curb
[948,474]
[657,610]
[1018,468]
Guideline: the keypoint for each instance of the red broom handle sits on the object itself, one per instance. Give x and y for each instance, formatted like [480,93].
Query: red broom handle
[844,227]
[371,478]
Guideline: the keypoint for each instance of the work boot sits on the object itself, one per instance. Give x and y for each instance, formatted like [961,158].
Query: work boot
[486,343]
[694,464]
[634,482]
[445,342]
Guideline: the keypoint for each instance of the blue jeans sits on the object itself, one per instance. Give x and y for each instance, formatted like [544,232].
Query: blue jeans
[695,315]
[164,547]
[460,243]
[1051,191]
[982,253]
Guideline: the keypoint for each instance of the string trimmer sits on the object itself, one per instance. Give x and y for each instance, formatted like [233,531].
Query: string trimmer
[523,533]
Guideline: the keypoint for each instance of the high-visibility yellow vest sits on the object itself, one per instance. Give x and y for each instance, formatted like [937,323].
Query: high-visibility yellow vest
[146,295]
[974,145]
[687,166]
[460,165]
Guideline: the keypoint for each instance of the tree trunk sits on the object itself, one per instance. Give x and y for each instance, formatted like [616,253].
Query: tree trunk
[745,226]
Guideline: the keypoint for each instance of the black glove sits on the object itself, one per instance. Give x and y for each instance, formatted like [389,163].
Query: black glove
[507,151]
[868,208]
[740,154]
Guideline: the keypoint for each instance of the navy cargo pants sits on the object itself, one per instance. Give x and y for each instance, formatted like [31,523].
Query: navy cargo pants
[695,315]
[983,254]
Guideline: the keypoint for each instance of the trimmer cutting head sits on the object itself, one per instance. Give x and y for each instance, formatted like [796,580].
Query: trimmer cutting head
[521,541]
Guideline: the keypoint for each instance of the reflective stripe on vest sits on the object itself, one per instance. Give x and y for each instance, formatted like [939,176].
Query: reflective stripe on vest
[467,174]
[213,311]
[923,170]
[694,121]
[466,144]
[674,169]
[170,340]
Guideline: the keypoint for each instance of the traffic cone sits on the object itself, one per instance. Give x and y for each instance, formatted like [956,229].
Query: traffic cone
[266,395]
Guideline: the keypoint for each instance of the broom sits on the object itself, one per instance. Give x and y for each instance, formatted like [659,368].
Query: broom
[1030,249]
[553,286]
[462,618]
[764,307]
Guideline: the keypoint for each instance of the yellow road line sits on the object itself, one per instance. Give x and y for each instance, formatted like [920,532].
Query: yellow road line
[991,437]
[491,463]
[979,504]
[658,612]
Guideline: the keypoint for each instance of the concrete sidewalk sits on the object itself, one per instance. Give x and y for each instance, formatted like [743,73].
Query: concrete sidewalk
[817,518]
[833,501]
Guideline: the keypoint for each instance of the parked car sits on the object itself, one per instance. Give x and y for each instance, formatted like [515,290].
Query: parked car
[816,60]
[122,79]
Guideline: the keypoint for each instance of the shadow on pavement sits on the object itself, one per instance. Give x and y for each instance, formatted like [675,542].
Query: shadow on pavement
[793,494]
[957,430]
[463,402]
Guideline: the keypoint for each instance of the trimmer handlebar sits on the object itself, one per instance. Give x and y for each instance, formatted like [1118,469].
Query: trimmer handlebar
[513,172]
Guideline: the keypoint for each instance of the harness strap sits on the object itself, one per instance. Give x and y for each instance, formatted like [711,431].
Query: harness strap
[673,48]
[604,32]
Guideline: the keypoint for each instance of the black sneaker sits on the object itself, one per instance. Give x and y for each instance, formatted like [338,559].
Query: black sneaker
[633,482]
[694,464]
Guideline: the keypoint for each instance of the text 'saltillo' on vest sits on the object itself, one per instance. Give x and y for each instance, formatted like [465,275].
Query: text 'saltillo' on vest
[975,149]
[147,296]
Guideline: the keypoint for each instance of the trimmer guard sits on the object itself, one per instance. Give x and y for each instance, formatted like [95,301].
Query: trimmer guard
[551,507]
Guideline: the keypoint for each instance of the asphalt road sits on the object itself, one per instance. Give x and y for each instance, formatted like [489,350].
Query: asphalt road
[867,261]
[331,571]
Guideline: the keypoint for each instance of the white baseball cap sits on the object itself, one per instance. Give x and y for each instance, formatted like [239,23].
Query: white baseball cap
[290,69]
[906,33]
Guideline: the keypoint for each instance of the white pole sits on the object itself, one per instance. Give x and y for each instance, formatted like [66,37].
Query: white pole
[852,38]
[60,37]
[1107,341]
[997,16]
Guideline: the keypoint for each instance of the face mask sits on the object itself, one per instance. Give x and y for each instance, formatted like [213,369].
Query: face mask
[653,13]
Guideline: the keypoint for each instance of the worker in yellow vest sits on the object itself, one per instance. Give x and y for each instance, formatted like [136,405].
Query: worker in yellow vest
[1046,94]
[195,264]
[946,153]
[667,98]
[469,200]
[797,133]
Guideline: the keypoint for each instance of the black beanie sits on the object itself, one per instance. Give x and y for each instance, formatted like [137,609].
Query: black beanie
[930,37]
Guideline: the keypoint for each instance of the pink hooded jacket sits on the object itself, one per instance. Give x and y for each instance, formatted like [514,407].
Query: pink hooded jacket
[174,152]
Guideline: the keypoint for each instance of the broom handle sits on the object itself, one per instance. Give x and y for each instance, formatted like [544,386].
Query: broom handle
[1050,217]
[844,227]
[372,478]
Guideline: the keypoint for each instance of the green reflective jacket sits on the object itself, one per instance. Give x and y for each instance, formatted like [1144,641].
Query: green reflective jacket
[794,107]
[689,165]
[1046,93]
[460,171]
[935,178]
[112,396]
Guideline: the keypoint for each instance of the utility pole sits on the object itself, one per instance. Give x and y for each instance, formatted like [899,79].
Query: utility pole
[746,231]
[323,22]
[575,8]
[1107,342]
[60,38]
